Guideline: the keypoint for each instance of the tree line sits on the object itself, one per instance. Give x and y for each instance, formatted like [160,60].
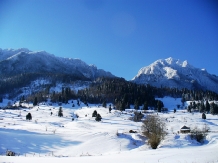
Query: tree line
[118,91]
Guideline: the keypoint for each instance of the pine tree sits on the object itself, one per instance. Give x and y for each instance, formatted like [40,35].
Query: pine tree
[183,100]
[60,112]
[145,106]
[207,106]
[213,108]
[22,98]
[136,105]
[35,101]
[202,107]
[29,116]
[203,116]
[159,105]
[122,106]
[104,104]
[98,117]
[94,114]
[110,108]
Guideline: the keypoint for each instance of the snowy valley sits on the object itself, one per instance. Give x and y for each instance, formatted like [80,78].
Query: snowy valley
[40,85]
[48,137]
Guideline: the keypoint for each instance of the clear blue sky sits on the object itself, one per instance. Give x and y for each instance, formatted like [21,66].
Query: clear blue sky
[119,36]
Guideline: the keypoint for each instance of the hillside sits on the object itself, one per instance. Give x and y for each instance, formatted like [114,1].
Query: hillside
[51,138]
[20,68]
[21,61]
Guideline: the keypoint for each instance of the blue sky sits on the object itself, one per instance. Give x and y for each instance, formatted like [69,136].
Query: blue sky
[120,36]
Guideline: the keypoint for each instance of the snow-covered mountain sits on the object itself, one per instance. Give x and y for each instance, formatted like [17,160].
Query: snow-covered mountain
[13,62]
[175,73]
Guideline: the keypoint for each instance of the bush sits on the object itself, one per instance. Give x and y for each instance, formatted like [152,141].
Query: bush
[199,135]
[137,116]
[154,143]
[154,129]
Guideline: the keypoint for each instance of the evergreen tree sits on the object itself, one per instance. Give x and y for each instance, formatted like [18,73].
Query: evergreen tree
[60,112]
[136,105]
[127,105]
[104,104]
[194,105]
[207,106]
[59,98]
[203,116]
[213,108]
[110,108]
[78,102]
[29,116]
[189,109]
[122,107]
[22,98]
[202,107]
[35,102]
[191,105]
[145,106]
[94,114]
[183,100]
[98,117]
[159,105]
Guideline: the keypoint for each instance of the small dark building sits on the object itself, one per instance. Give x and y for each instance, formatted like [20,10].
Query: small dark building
[185,129]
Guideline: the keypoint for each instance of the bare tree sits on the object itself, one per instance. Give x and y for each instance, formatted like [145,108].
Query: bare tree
[154,129]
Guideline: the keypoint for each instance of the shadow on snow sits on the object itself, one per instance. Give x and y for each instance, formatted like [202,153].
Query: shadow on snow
[21,141]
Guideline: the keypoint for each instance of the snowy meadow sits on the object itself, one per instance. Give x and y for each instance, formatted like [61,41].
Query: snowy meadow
[78,137]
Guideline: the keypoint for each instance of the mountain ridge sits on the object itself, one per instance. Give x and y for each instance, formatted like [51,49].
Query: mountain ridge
[15,61]
[172,72]
[168,72]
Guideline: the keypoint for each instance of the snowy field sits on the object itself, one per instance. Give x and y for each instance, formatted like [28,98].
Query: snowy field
[49,138]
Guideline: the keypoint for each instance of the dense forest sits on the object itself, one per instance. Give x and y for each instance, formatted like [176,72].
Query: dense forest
[119,92]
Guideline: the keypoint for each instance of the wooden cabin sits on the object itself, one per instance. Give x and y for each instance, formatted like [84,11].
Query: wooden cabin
[185,129]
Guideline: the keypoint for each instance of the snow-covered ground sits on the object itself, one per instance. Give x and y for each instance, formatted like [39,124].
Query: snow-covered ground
[49,138]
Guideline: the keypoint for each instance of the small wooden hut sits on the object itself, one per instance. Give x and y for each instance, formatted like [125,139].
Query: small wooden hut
[185,129]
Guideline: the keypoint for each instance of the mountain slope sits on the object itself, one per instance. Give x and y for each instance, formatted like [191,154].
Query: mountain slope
[175,73]
[13,62]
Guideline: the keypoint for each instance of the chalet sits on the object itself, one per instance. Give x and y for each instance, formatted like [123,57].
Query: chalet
[185,129]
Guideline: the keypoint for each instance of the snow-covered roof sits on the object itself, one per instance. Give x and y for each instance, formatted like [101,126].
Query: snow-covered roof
[184,128]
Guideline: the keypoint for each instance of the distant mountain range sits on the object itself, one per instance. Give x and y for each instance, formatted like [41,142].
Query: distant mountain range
[14,62]
[162,73]
[175,73]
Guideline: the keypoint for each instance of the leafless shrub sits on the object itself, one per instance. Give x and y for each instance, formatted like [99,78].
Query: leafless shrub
[154,129]
[54,131]
[137,116]
[199,134]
